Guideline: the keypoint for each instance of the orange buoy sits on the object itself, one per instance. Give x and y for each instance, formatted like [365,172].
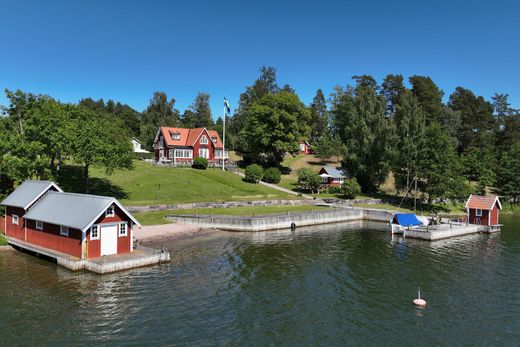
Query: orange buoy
[419,302]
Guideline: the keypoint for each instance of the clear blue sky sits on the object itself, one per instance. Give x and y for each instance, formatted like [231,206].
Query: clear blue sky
[126,50]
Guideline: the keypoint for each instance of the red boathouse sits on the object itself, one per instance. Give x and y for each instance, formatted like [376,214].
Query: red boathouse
[483,210]
[84,226]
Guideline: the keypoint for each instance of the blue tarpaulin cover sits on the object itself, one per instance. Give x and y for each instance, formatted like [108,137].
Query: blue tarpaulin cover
[407,219]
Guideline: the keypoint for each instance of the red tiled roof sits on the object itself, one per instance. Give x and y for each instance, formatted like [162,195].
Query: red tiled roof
[188,137]
[483,202]
[213,133]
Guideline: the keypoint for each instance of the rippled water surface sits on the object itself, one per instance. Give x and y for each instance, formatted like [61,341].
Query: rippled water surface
[348,284]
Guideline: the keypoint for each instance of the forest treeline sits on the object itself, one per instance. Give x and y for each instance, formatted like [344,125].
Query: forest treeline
[467,144]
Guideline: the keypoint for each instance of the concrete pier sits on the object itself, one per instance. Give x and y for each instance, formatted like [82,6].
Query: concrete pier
[142,256]
[285,221]
[441,231]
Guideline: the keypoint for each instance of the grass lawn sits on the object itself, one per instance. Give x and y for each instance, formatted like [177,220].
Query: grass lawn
[152,185]
[3,241]
[158,217]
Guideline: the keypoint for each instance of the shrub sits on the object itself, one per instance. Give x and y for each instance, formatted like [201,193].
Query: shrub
[200,163]
[254,173]
[351,189]
[335,190]
[272,175]
[308,179]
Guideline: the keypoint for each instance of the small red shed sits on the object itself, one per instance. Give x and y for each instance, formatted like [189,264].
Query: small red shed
[305,148]
[483,210]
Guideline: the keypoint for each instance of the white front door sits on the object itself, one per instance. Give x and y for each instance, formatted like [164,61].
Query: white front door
[108,239]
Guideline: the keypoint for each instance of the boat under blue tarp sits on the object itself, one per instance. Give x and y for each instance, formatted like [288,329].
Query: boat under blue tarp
[406,219]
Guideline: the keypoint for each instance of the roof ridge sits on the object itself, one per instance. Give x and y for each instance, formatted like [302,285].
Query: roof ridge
[86,195]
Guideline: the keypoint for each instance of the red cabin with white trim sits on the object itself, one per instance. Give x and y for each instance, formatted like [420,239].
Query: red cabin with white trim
[483,210]
[85,226]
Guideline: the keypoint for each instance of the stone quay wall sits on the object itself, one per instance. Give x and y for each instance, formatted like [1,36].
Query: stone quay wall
[290,220]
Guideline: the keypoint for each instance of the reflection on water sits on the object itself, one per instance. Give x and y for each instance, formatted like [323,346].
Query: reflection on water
[349,283]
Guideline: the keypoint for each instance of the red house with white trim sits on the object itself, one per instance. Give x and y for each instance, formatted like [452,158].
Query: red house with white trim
[483,210]
[181,145]
[84,226]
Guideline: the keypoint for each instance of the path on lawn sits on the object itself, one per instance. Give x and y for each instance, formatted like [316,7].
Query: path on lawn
[274,186]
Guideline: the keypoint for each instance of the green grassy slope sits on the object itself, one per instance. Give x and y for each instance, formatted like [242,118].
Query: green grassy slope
[152,185]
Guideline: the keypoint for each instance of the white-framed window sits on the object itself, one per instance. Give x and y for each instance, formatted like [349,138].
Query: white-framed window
[204,153]
[214,139]
[122,229]
[15,219]
[39,225]
[204,140]
[110,212]
[478,212]
[64,231]
[184,153]
[176,136]
[170,153]
[218,153]
[94,232]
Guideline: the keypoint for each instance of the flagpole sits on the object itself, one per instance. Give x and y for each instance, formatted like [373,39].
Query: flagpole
[224,140]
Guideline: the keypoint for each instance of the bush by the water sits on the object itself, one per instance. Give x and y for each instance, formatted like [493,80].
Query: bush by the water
[254,173]
[200,163]
[272,175]
[351,189]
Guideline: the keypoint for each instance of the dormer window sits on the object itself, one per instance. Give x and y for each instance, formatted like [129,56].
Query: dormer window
[203,140]
[176,135]
[110,212]
[214,139]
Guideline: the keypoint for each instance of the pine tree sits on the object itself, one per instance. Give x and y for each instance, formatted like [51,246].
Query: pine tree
[319,117]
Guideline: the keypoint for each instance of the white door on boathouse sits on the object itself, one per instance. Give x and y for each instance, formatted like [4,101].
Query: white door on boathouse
[109,239]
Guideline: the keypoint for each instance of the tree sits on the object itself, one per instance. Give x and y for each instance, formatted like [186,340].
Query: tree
[508,179]
[200,115]
[265,84]
[274,125]
[429,97]
[502,108]
[450,123]
[100,141]
[477,127]
[439,169]
[367,134]
[160,112]
[479,165]
[309,180]
[319,116]
[410,124]
[116,110]
[391,89]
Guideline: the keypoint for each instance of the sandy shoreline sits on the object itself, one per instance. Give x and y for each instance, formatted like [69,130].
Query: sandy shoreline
[164,232]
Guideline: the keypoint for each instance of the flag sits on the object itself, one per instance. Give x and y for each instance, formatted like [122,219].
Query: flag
[226,104]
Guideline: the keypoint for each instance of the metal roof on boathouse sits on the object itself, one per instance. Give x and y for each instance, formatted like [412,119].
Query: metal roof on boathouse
[27,193]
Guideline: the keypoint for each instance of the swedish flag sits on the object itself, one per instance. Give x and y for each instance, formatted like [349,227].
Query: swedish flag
[226,104]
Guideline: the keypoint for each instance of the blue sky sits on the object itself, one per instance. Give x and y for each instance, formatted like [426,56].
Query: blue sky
[126,50]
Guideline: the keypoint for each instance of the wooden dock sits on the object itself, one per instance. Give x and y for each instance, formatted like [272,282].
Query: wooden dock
[143,256]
